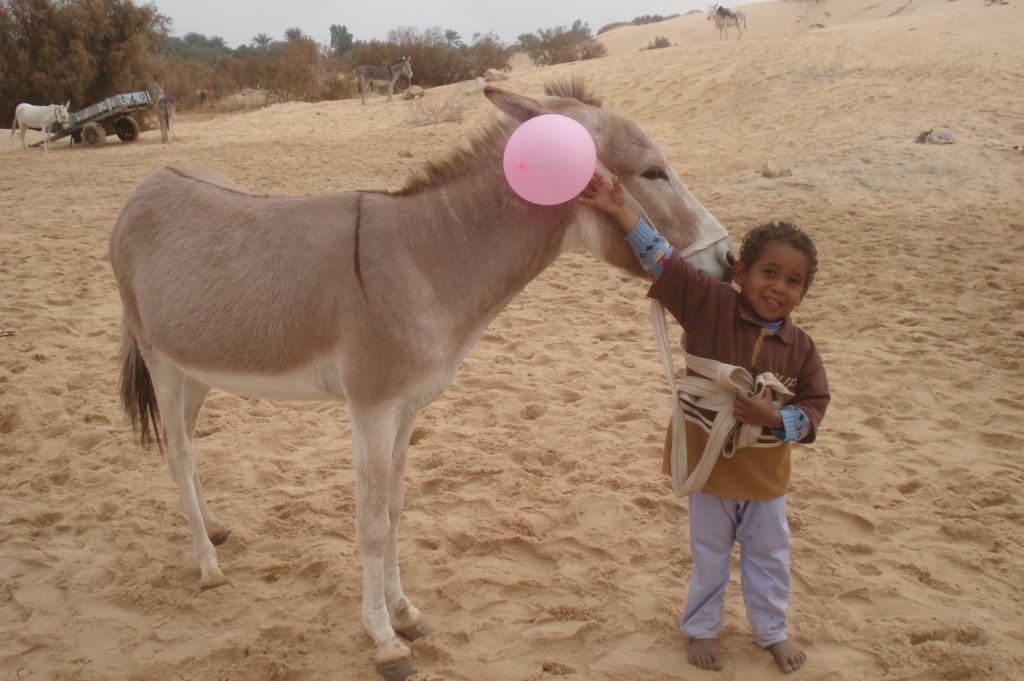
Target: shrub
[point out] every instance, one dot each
(651, 19)
(559, 46)
(659, 42)
(608, 27)
(435, 59)
(433, 112)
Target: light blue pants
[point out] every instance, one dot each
(761, 529)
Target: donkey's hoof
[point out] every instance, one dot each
(418, 630)
(220, 537)
(212, 578)
(396, 670)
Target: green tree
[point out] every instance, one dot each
(453, 38)
(341, 40)
(82, 50)
(294, 34)
(261, 40)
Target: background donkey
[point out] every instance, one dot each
(164, 112)
(370, 298)
(725, 17)
(40, 118)
(372, 76)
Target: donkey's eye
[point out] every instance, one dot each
(655, 174)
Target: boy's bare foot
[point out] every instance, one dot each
(704, 654)
(787, 656)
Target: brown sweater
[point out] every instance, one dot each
(721, 326)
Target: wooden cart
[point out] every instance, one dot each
(121, 115)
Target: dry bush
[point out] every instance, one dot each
(431, 112)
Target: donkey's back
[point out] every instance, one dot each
(225, 281)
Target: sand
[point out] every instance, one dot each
(539, 536)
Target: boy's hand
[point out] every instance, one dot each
(608, 197)
(757, 412)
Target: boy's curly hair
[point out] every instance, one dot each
(755, 240)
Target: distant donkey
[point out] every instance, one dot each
(725, 17)
(30, 116)
(371, 76)
(164, 112)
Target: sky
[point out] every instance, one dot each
(237, 21)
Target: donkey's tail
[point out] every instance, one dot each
(14, 124)
(137, 392)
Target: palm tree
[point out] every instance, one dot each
(295, 33)
(261, 40)
(453, 38)
(217, 42)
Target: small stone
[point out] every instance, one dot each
(769, 170)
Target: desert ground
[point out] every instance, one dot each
(540, 537)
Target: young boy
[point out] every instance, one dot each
(744, 498)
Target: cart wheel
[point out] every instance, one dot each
(94, 135)
(127, 129)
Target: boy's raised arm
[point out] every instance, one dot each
(608, 197)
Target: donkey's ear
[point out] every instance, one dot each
(517, 106)
(68, 104)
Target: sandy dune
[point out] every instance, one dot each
(540, 537)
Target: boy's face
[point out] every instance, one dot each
(776, 282)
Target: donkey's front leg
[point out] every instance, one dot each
(408, 621)
(373, 441)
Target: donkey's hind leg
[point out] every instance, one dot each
(194, 395)
(169, 384)
(408, 620)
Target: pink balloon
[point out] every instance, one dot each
(549, 159)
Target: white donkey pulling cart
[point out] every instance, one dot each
(121, 115)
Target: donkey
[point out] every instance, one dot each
(366, 297)
(372, 76)
(164, 112)
(40, 118)
(725, 17)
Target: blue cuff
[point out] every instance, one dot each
(795, 425)
(650, 247)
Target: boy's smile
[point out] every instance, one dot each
(776, 282)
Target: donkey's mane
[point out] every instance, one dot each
(490, 141)
(461, 160)
(572, 88)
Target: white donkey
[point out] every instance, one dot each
(371, 76)
(367, 297)
(40, 118)
(725, 17)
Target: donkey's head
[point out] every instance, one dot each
(643, 171)
(60, 112)
(404, 66)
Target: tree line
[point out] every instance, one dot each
(88, 50)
